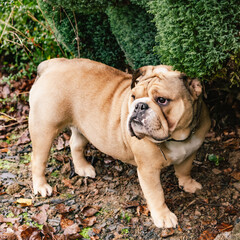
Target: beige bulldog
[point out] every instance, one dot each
(150, 119)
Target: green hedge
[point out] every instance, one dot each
(135, 33)
(95, 40)
(199, 37)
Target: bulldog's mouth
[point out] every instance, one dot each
(139, 123)
(136, 121)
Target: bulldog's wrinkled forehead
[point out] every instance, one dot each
(150, 72)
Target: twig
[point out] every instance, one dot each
(13, 124)
(77, 37)
(7, 22)
(9, 25)
(6, 115)
(53, 201)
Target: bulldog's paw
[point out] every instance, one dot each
(190, 185)
(44, 189)
(86, 171)
(164, 220)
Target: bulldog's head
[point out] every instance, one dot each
(165, 104)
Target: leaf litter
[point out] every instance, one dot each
(111, 206)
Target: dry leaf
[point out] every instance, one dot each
(224, 227)
(236, 175)
(89, 211)
(87, 222)
(24, 138)
(62, 208)
(167, 232)
(28, 232)
(65, 222)
(60, 144)
(208, 235)
(131, 204)
(24, 202)
(142, 210)
(8, 220)
(67, 183)
(40, 218)
(73, 229)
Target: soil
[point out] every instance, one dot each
(112, 205)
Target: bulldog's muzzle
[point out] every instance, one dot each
(137, 117)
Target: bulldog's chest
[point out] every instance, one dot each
(179, 151)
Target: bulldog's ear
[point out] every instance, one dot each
(193, 85)
(142, 73)
(196, 88)
(136, 74)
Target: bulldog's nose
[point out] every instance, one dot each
(140, 107)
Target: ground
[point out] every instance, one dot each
(112, 205)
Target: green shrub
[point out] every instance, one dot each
(24, 37)
(198, 37)
(91, 38)
(135, 34)
(83, 6)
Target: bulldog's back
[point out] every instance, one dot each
(89, 95)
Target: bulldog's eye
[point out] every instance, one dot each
(162, 101)
(133, 97)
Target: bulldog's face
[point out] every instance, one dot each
(164, 104)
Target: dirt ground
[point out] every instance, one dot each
(112, 205)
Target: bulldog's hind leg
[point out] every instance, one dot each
(42, 135)
(183, 173)
(77, 145)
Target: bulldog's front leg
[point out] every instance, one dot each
(149, 178)
(183, 173)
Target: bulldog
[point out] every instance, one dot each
(151, 119)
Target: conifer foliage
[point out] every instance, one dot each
(200, 37)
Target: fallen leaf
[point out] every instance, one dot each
(8, 236)
(208, 234)
(6, 91)
(94, 238)
(87, 222)
(89, 211)
(4, 150)
(236, 175)
(224, 227)
(231, 210)
(97, 230)
(233, 143)
(67, 183)
(142, 210)
(62, 208)
(167, 232)
(28, 232)
(16, 211)
(65, 222)
(73, 229)
(60, 144)
(66, 136)
(24, 202)
(8, 220)
(48, 231)
(134, 220)
(40, 218)
(24, 138)
(131, 204)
